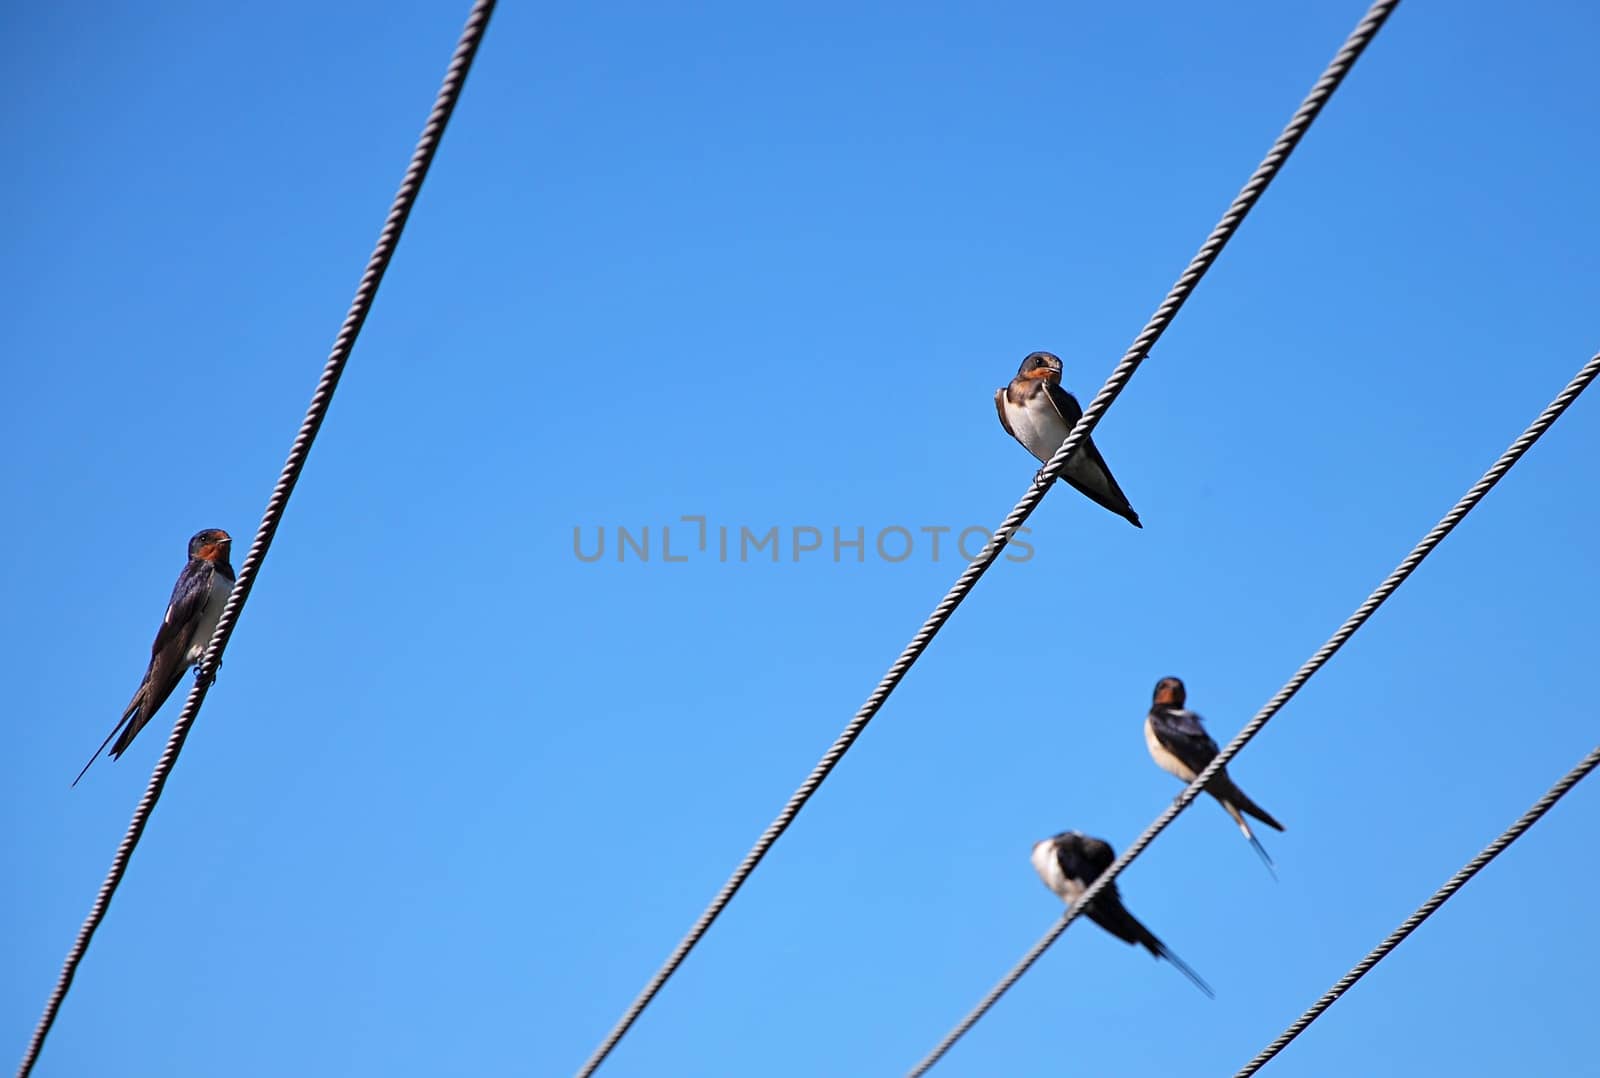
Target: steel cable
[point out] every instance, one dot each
(388, 238)
(1340, 66)
(1526, 439)
(1424, 911)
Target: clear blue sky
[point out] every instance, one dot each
(457, 793)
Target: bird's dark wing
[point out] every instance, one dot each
(1098, 485)
(1110, 914)
(1066, 404)
(1000, 406)
(166, 667)
(1224, 788)
(1078, 857)
(167, 653)
(183, 609)
(1180, 732)
(1085, 858)
(1097, 856)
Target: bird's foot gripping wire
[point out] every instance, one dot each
(1039, 479)
(210, 681)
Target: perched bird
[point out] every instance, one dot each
(1181, 746)
(1069, 863)
(197, 601)
(1037, 412)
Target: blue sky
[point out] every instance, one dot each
(457, 792)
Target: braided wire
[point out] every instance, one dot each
(405, 198)
(1513, 453)
(1136, 354)
(1426, 910)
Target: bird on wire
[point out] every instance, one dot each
(197, 601)
(1038, 413)
(1069, 862)
(1179, 744)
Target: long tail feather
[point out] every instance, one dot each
(115, 730)
(1134, 931)
(1253, 809)
(1224, 789)
(1187, 971)
(1232, 809)
(1266, 859)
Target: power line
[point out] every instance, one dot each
(388, 238)
(1524, 441)
(1426, 910)
(1130, 362)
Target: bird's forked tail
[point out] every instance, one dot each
(122, 723)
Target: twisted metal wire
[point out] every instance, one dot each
(388, 238)
(1524, 441)
(1120, 376)
(1426, 910)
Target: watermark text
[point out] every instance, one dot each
(693, 537)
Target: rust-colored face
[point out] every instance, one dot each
(209, 545)
(1170, 692)
(1041, 366)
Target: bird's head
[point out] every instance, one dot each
(1057, 838)
(1043, 366)
(1170, 692)
(210, 545)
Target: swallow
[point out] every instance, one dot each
(197, 601)
(1037, 412)
(1069, 863)
(1180, 745)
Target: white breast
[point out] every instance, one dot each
(1049, 870)
(216, 599)
(1159, 753)
(1038, 425)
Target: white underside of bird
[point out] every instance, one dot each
(1163, 756)
(1048, 866)
(1041, 430)
(206, 624)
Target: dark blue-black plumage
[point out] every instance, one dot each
(1179, 744)
(197, 601)
(1069, 862)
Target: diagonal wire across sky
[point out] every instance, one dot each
(1136, 354)
(321, 399)
(1369, 606)
(1562, 787)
